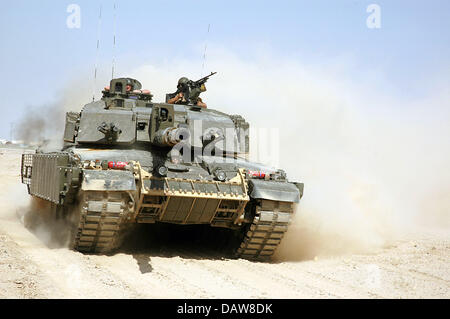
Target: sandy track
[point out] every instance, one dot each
(414, 266)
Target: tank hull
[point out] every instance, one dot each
(100, 202)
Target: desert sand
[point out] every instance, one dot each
(414, 265)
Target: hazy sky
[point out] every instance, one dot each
(40, 55)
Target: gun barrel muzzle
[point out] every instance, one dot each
(171, 136)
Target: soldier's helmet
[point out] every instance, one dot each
(182, 82)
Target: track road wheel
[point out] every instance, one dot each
(264, 234)
(98, 219)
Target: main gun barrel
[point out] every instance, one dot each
(171, 136)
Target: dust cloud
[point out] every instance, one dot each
(33, 213)
(374, 165)
(41, 219)
(44, 124)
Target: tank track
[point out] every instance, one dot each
(264, 234)
(101, 216)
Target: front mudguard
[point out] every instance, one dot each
(275, 190)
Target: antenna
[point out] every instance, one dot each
(11, 131)
(96, 55)
(114, 43)
(204, 52)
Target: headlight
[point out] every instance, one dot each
(161, 170)
(220, 175)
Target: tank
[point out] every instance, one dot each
(129, 160)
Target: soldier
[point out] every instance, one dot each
(129, 88)
(184, 94)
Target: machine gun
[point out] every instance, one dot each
(201, 82)
(197, 87)
(191, 89)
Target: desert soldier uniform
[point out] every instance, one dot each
(185, 94)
